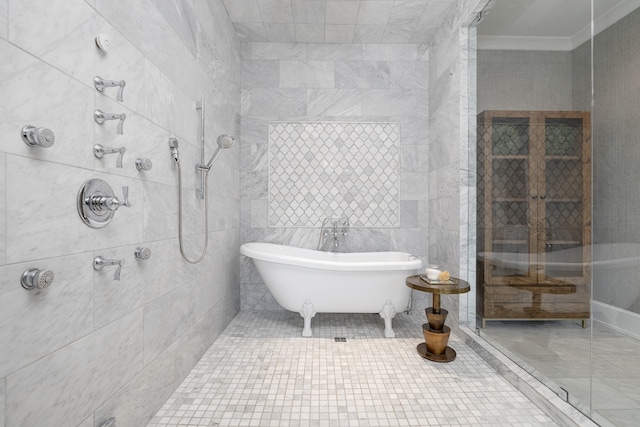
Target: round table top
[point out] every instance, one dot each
(458, 287)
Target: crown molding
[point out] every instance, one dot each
(604, 21)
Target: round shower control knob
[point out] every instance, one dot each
(34, 278)
(41, 137)
(142, 254)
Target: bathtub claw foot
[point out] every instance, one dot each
(307, 312)
(388, 313)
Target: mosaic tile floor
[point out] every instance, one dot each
(261, 372)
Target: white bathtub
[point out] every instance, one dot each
(310, 282)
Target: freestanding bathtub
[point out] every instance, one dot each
(310, 282)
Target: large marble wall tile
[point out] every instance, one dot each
(254, 184)
(245, 213)
(414, 131)
(243, 10)
(338, 33)
(43, 97)
(444, 169)
(398, 34)
(89, 422)
(412, 240)
(390, 52)
(279, 51)
(42, 218)
(2, 403)
(413, 75)
(398, 102)
(259, 213)
(260, 74)
(160, 211)
(256, 297)
(281, 33)
(166, 318)
(409, 213)
(68, 383)
(309, 33)
(136, 402)
(307, 74)
(276, 10)
(254, 157)
(413, 158)
(244, 50)
(309, 11)
(168, 60)
(190, 347)
(362, 74)
(189, 154)
(335, 52)
(367, 34)
(140, 281)
(151, 34)
(180, 16)
(4, 16)
(3, 209)
(251, 31)
(152, 144)
(365, 240)
(413, 185)
(334, 102)
(193, 209)
(278, 101)
(184, 271)
(341, 12)
(223, 212)
(168, 106)
(125, 62)
(36, 323)
(132, 137)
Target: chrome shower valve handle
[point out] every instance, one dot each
(100, 84)
(99, 262)
(102, 202)
(100, 150)
(97, 202)
(100, 117)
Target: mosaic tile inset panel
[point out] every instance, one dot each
(320, 170)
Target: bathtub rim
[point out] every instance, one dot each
(337, 261)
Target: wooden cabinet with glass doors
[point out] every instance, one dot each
(534, 215)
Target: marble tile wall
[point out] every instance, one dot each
(88, 347)
(451, 240)
(289, 82)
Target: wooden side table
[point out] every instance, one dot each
(436, 335)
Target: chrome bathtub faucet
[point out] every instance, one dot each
(338, 228)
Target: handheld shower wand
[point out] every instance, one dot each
(224, 141)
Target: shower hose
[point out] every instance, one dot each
(206, 217)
